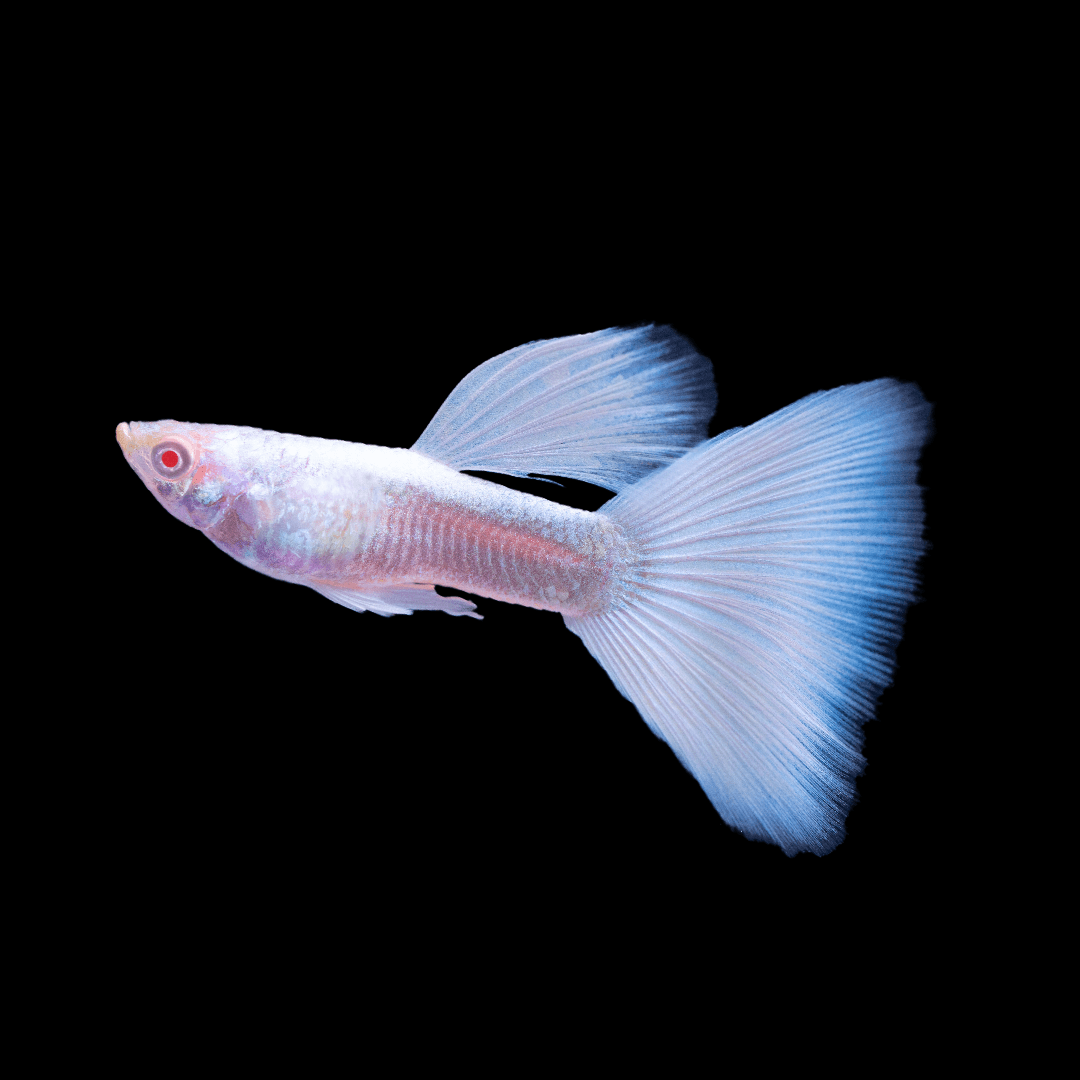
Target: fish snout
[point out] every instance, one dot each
(124, 436)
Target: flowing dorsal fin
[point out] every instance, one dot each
(606, 408)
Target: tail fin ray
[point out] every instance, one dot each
(761, 621)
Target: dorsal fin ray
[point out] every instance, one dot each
(606, 408)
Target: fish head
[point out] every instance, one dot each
(183, 466)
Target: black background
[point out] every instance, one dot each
(267, 753)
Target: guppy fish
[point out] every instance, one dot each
(746, 592)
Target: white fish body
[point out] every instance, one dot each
(746, 593)
(375, 528)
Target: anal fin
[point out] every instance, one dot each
(401, 599)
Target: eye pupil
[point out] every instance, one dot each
(170, 459)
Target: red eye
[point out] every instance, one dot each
(173, 458)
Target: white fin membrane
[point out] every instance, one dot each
(398, 599)
(761, 625)
(606, 408)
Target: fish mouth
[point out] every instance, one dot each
(124, 436)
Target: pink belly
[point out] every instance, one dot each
(569, 570)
